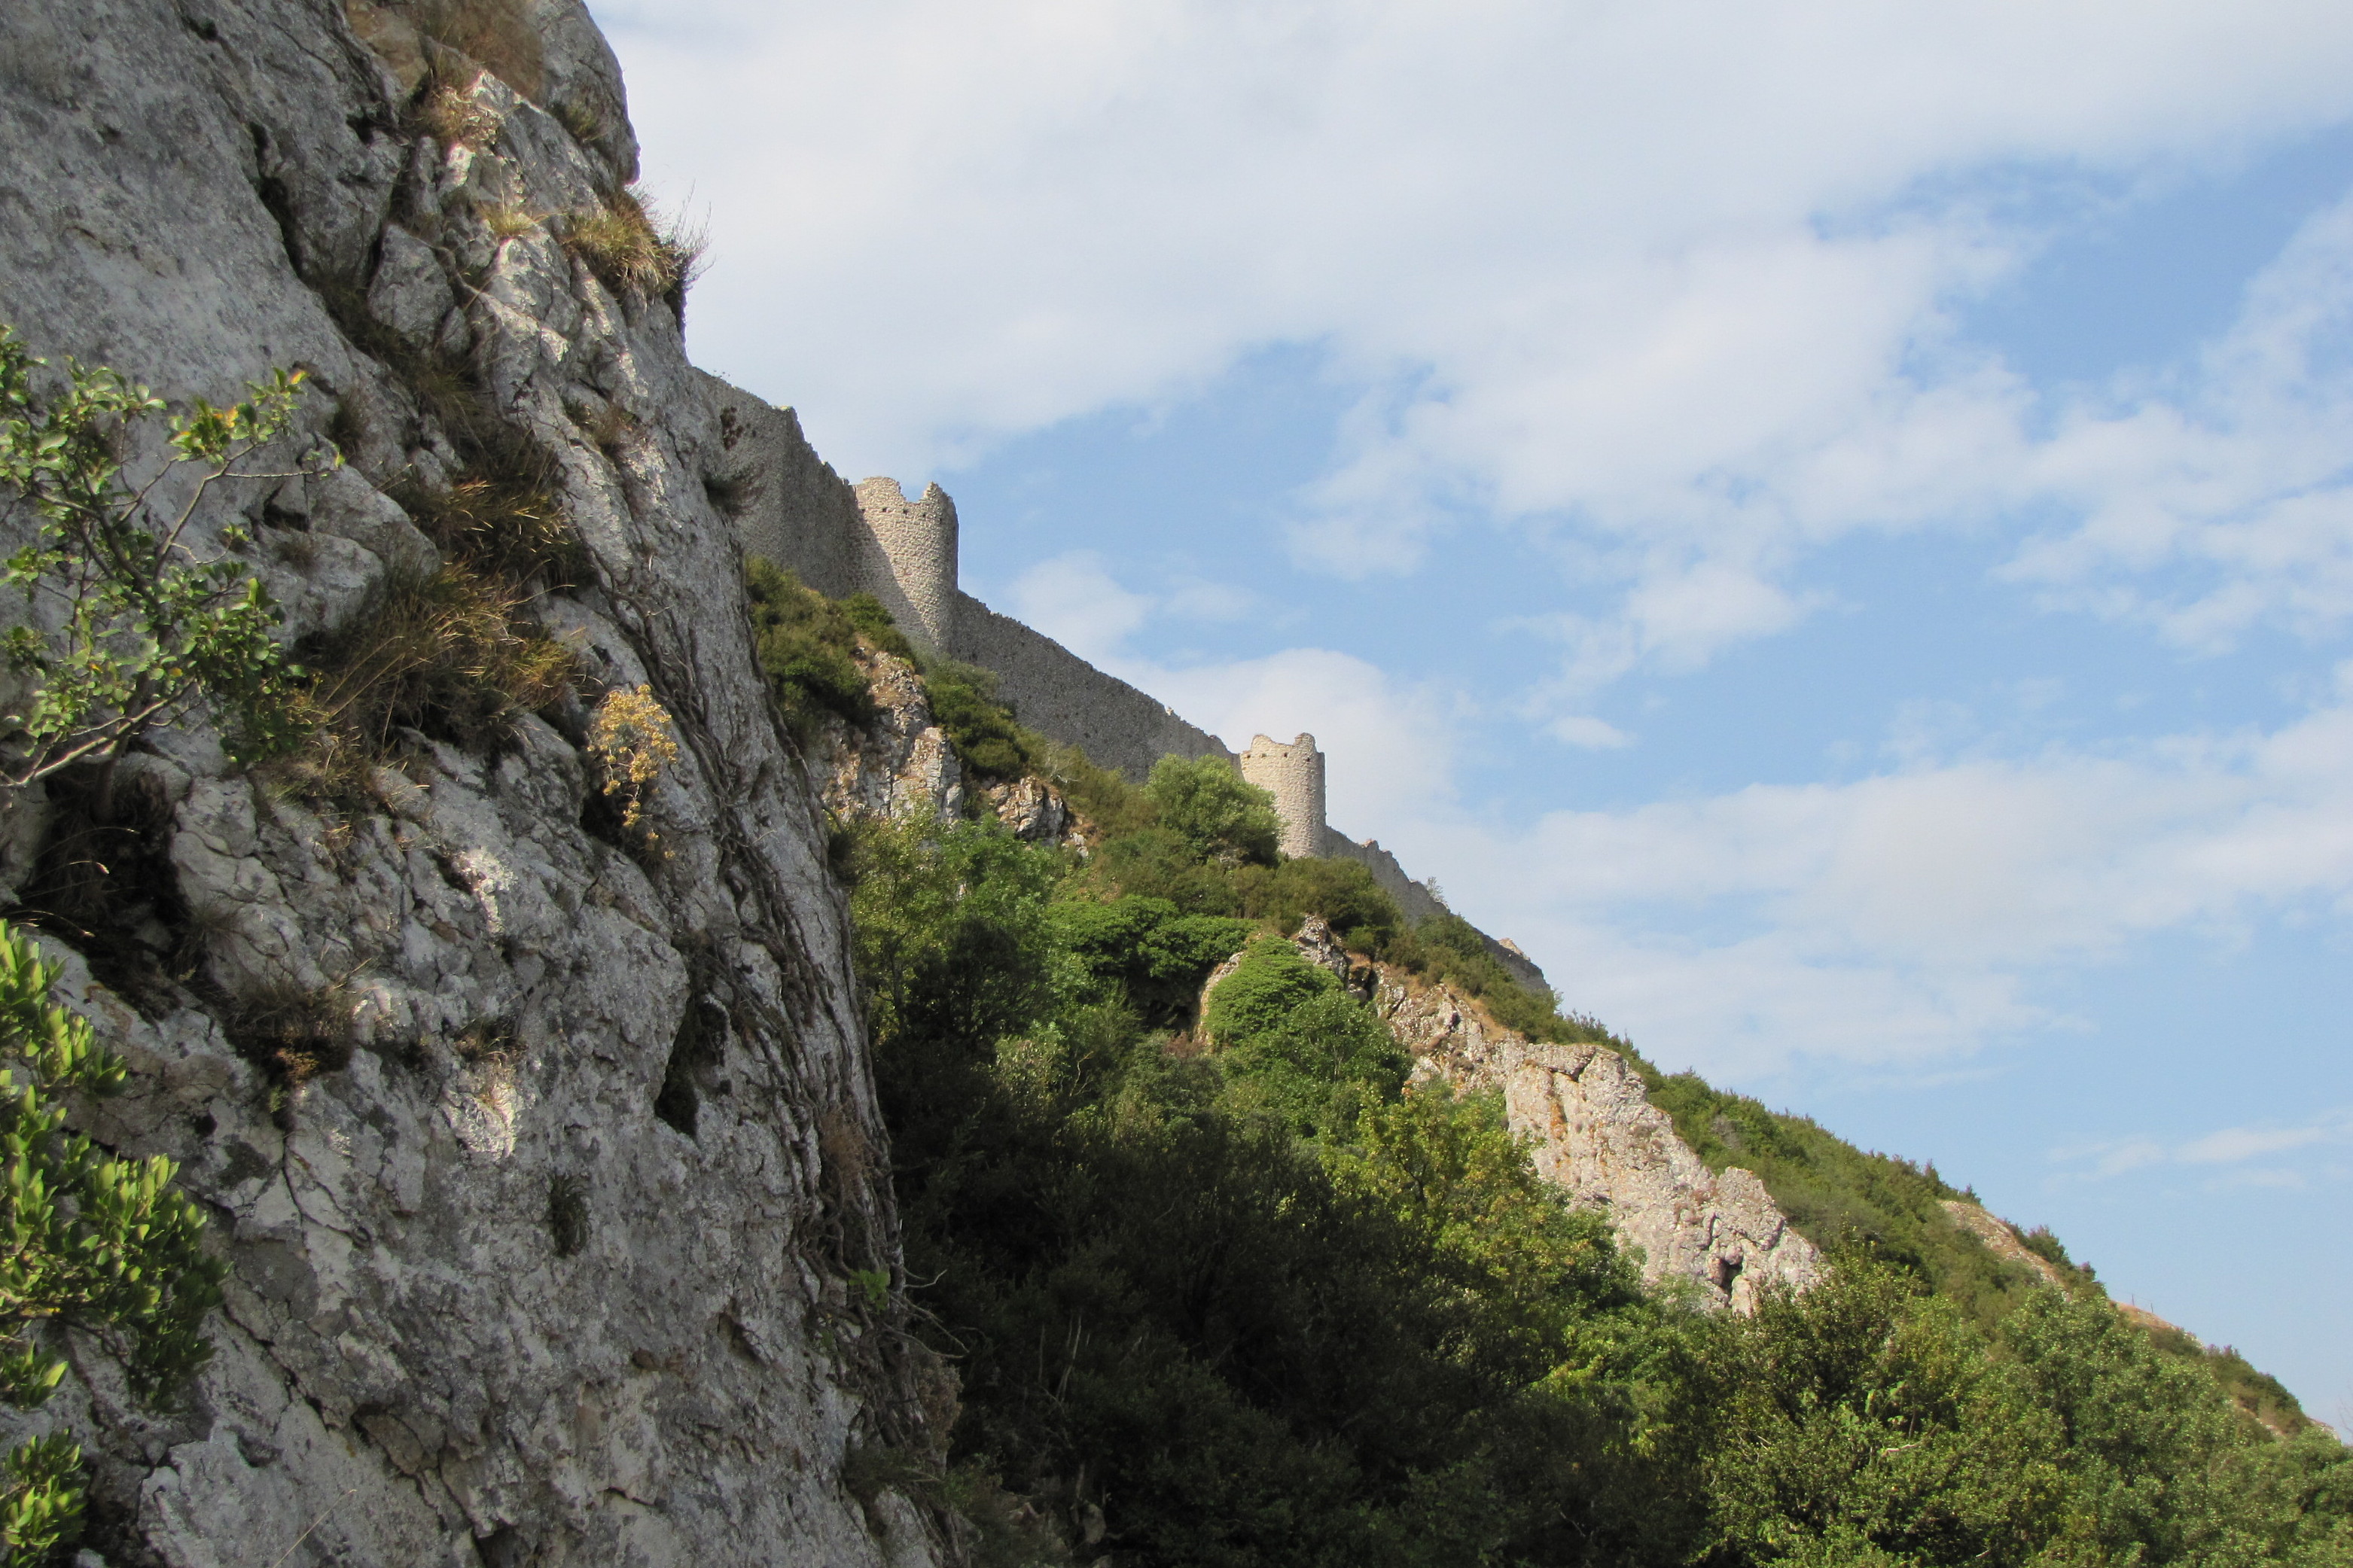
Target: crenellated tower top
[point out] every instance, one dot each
(908, 560)
(1293, 774)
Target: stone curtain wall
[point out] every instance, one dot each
(1293, 774)
(1061, 695)
(869, 538)
(1412, 897)
(796, 510)
(907, 558)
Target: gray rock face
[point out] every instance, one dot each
(558, 1268)
(1597, 1136)
(899, 763)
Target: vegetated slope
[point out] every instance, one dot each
(1223, 1287)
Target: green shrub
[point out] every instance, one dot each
(1842, 1198)
(1270, 981)
(987, 739)
(1101, 800)
(1165, 1305)
(1220, 818)
(874, 625)
(1450, 950)
(1265, 1305)
(807, 645)
(1145, 953)
(1365, 917)
(1318, 1069)
(145, 632)
(95, 1242)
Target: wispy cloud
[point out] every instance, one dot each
(2227, 1155)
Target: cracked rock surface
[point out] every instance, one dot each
(1597, 1136)
(552, 1268)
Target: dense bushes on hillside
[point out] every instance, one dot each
(1253, 1301)
(1233, 1294)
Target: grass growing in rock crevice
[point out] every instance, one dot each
(496, 35)
(634, 249)
(452, 655)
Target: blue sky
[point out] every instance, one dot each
(1830, 524)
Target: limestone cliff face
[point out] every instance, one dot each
(1596, 1136)
(572, 1263)
(900, 763)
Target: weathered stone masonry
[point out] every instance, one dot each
(1294, 775)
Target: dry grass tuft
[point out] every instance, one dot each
(588, 122)
(634, 250)
(451, 655)
(447, 109)
(613, 429)
(509, 219)
(293, 1034)
(734, 492)
(507, 527)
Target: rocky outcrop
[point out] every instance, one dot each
(1596, 1135)
(2003, 1241)
(564, 1242)
(896, 763)
(899, 763)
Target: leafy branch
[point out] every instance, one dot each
(127, 626)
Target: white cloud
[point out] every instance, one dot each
(1677, 276)
(1908, 916)
(2241, 479)
(1397, 740)
(2231, 1147)
(1075, 600)
(1898, 919)
(1591, 733)
(1675, 281)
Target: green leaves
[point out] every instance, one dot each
(1262, 1304)
(126, 626)
(40, 1498)
(88, 1239)
(1221, 819)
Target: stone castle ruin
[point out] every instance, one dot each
(1293, 774)
(869, 538)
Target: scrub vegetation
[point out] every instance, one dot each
(1224, 1288)
(95, 1243)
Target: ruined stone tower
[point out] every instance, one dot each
(908, 560)
(1293, 774)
